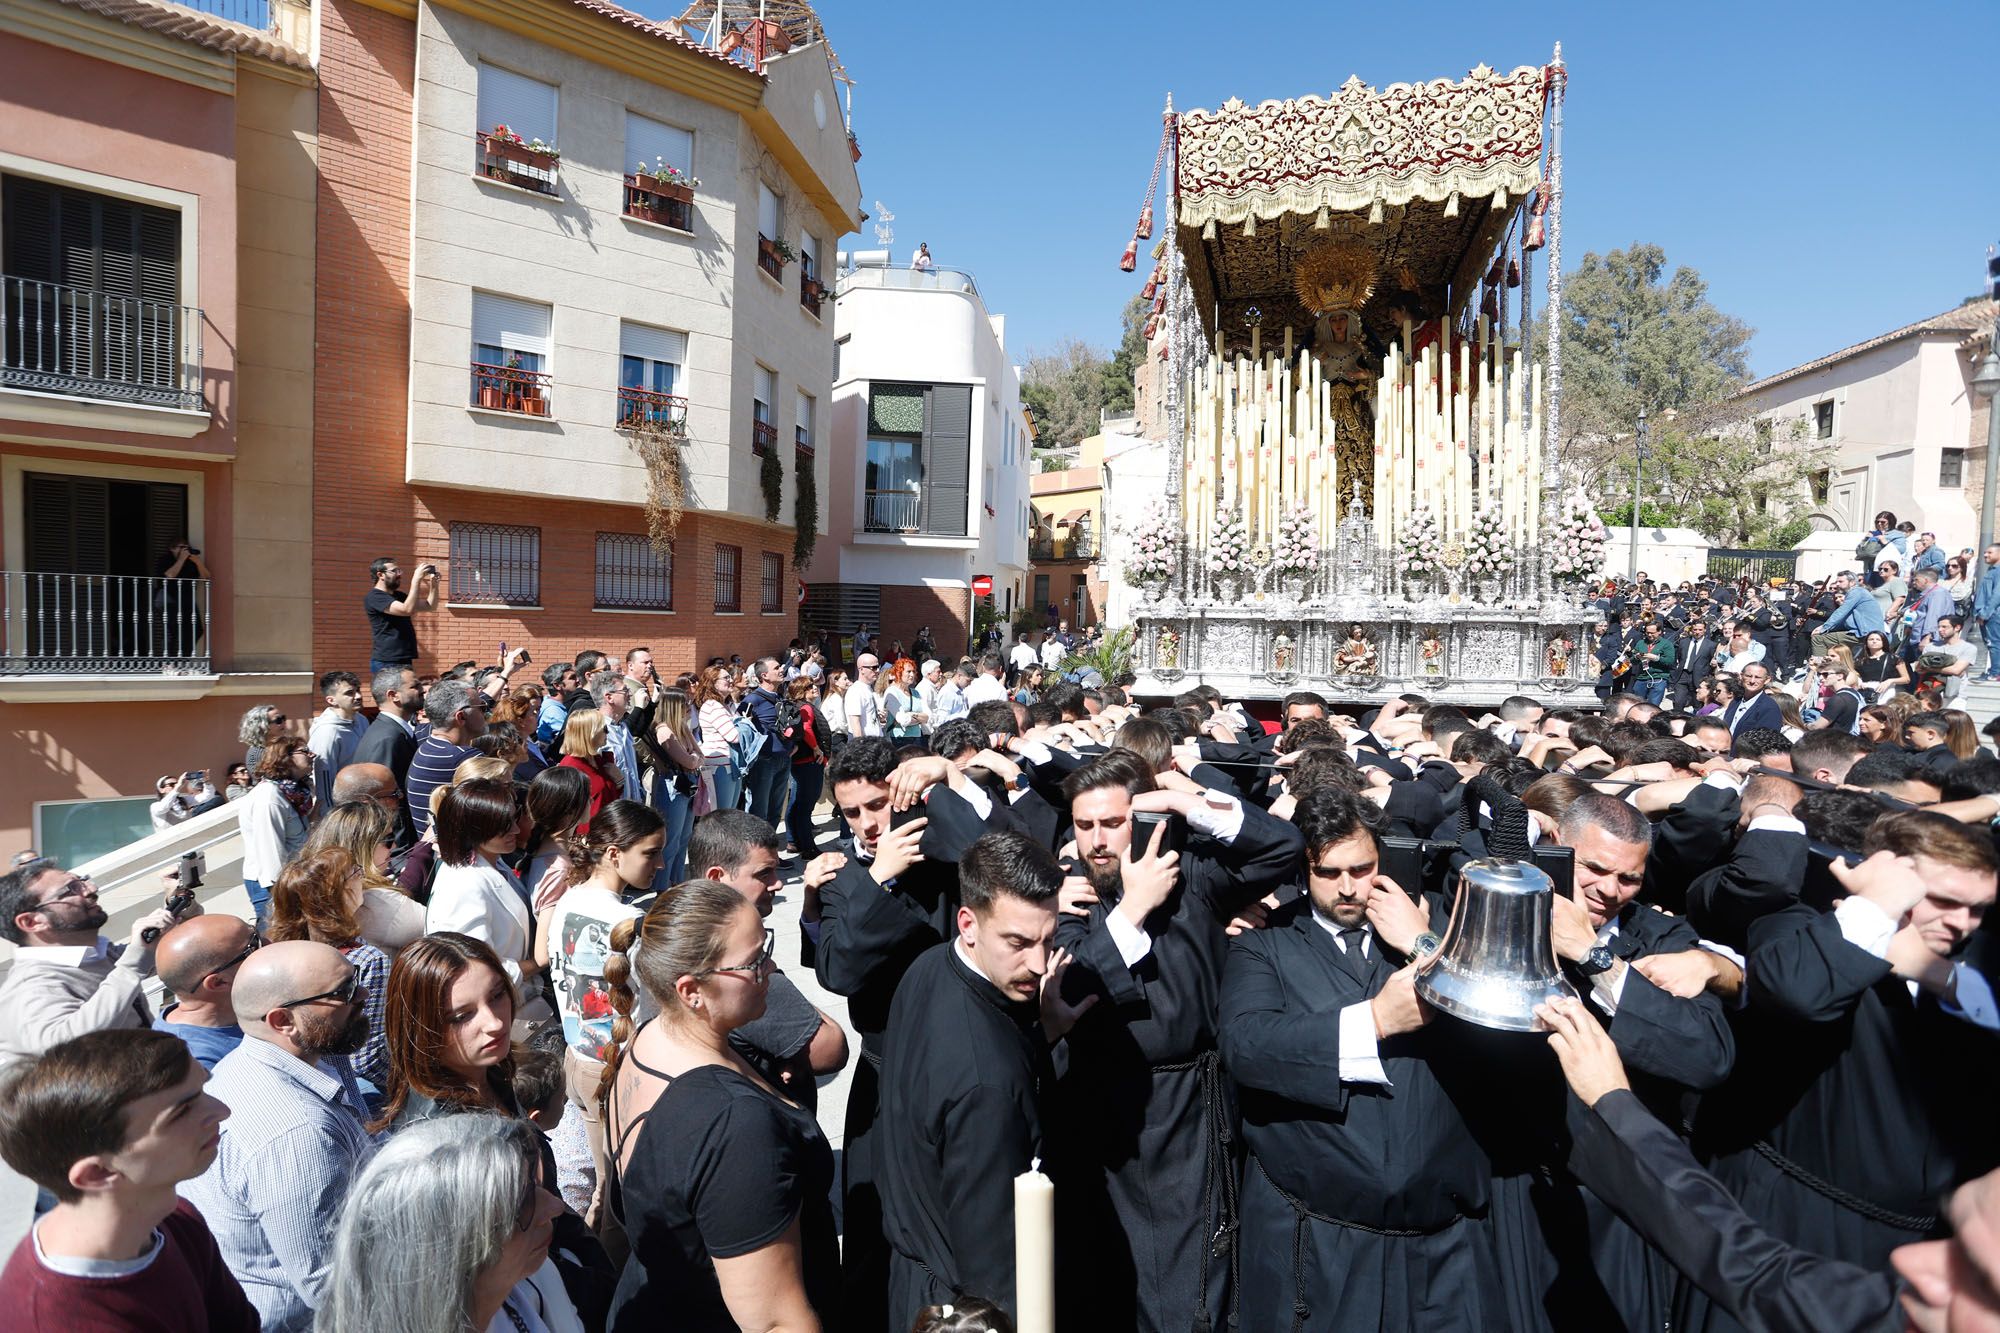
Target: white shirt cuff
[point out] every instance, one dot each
(976, 797)
(1218, 817)
(1133, 942)
(1034, 752)
(1360, 1058)
(1723, 951)
(1607, 988)
(1864, 925)
(1774, 824)
(1972, 998)
(1727, 781)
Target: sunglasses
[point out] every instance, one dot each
(344, 993)
(256, 943)
(764, 956)
(77, 887)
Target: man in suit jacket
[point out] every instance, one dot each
(391, 739)
(1695, 655)
(1986, 609)
(1752, 707)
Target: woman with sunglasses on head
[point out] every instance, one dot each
(614, 865)
(475, 893)
(389, 918)
(318, 898)
(720, 1182)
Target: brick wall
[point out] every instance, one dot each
(905, 610)
(364, 508)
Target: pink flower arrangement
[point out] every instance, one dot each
(1154, 546)
(1228, 544)
(1576, 545)
(1296, 551)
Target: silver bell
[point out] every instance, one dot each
(1498, 957)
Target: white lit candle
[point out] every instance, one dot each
(1034, 1251)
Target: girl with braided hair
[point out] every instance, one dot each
(721, 1183)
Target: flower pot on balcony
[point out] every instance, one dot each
(493, 397)
(534, 404)
(665, 187)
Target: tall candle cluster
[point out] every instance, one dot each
(1260, 439)
(1454, 429)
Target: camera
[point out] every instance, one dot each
(187, 877)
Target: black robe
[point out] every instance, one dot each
(964, 1071)
(1364, 1206)
(868, 938)
(1144, 1164)
(1846, 1076)
(1567, 1262)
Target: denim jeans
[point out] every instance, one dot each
(1652, 691)
(769, 783)
(678, 812)
(260, 903)
(728, 787)
(807, 782)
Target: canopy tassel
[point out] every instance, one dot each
(1374, 212)
(1499, 199)
(1451, 205)
(1208, 230)
(1323, 222)
(1130, 259)
(1250, 226)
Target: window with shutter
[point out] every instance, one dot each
(947, 458)
(649, 142)
(649, 375)
(769, 220)
(524, 105)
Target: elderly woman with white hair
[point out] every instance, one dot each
(448, 1229)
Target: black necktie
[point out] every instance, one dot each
(1352, 960)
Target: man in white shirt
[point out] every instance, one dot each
(864, 709)
(1743, 650)
(988, 686)
(930, 686)
(951, 702)
(1024, 655)
(336, 732)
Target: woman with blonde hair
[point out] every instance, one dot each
(586, 747)
(389, 918)
(721, 1182)
(1961, 737)
(679, 777)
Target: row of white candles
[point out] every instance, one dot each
(1452, 430)
(1261, 439)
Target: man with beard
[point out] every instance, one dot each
(1871, 1065)
(294, 1139)
(1144, 1155)
(965, 1070)
(391, 739)
(67, 979)
(1365, 1197)
(389, 609)
(894, 897)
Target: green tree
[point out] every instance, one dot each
(1118, 372)
(1635, 337)
(1065, 387)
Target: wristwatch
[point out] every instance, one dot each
(1599, 959)
(1427, 944)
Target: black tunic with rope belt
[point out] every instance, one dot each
(1364, 1205)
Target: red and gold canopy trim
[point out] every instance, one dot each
(1477, 138)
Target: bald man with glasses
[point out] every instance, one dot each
(67, 979)
(198, 961)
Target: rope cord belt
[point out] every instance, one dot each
(1853, 1203)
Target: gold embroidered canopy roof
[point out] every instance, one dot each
(1478, 138)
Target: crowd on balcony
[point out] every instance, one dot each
(507, 1045)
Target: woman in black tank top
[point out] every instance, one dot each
(722, 1184)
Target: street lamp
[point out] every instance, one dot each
(1986, 383)
(1638, 462)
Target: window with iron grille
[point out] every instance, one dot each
(728, 578)
(773, 584)
(631, 575)
(496, 564)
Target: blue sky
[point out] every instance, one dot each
(1832, 169)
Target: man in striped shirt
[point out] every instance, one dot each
(458, 715)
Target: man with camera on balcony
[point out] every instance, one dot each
(390, 608)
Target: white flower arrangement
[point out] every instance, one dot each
(1576, 547)
(1228, 544)
(1488, 551)
(1154, 546)
(1296, 550)
(1421, 542)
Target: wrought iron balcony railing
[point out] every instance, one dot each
(66, 624)
(510, 389)
(73, 340)
(763, 435)
(646, 407)
(892, 511)
(1061, 548)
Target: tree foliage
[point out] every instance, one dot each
(1636, 337)
(1071, 385)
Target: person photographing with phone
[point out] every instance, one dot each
(389, 610)
(182, 798)
(1162, 866)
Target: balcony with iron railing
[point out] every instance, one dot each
(90, 624)
(505, 158)
(812, 294)
(59, 339)
(763, 436)
(1074, 547)
(510, 389)
(647, 407)
(894, 511)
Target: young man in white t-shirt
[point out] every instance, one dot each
(1024, 655)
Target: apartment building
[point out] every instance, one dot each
(543, 226)
(928, 514)
(156, 373)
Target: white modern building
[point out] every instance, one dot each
(1909, 434)
(927, 489)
